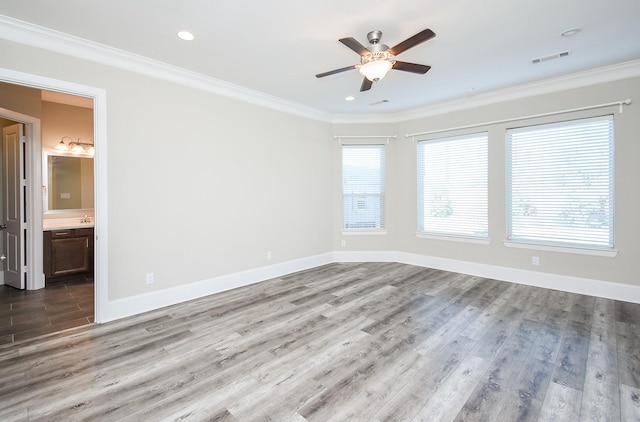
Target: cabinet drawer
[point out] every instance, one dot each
(84, 232)
(59, 234)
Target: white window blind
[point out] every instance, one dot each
(560, 184)
(452, 186)
(363, 186)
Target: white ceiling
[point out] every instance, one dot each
(276, 47)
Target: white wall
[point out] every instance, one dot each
(199, 185)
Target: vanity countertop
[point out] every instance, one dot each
(65, 223)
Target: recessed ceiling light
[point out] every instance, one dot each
(349, 98)
(186, 35)
(570, 32)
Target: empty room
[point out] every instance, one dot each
(343, 211)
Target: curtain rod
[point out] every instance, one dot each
(515, 119)
(387, 137)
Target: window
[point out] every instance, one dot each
(452, 186)
(363, 186)
(560, 184)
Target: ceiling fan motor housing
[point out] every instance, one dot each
(374, 41)
(374, 37)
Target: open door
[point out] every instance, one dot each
(14, 227)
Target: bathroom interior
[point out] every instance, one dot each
(67, 127)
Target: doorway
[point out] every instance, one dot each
(67, 299)
(34, 248)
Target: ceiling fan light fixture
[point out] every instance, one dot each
(374, 66)
(375, 70)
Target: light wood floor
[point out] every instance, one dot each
(342, 342)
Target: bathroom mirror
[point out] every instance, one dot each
(67, 183)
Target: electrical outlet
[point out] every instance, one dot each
(269, 256)
(343, 243)
(149, 278)
(535, 260)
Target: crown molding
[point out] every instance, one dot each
(37, 36)
(599, 75)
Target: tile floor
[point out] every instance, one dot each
(64, 303)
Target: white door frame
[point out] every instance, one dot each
(35, 274)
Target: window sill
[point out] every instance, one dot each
(364, 232)
(566, 249)
(464, 239)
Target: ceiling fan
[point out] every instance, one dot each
(377, 59)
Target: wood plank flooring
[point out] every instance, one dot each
(64, 303)
(341, 342)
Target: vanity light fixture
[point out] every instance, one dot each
(76, 146)
(62, 146)
(79, 147)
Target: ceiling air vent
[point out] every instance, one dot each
(550, 57)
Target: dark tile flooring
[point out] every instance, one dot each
(64, 303)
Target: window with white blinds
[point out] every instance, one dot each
(452, 186)
(363, 186)
(560, 184)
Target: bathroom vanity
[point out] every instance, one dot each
(68, 238)
(68, 251)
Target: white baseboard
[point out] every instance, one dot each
(585, 286)
(120, 308)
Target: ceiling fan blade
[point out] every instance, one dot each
(420, 37)
(411, 67)
(333, 72)
(353, 44)
(366, 85)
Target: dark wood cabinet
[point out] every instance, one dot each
(68, 251)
